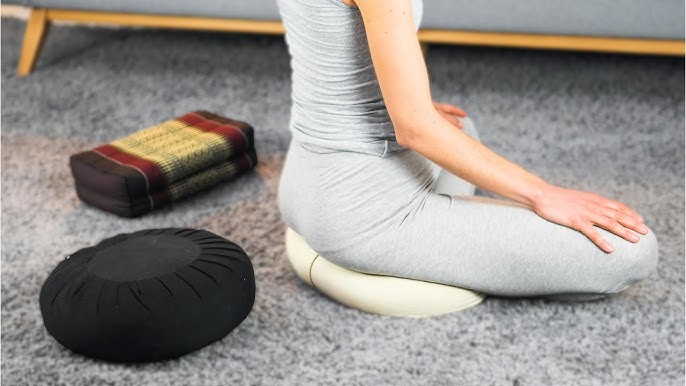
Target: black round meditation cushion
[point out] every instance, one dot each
(149, 295)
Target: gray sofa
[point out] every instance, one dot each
(629, 26)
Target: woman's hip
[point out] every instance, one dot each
(334, 198)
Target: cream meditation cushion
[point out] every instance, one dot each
(385, 295)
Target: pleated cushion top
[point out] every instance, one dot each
(149, 295)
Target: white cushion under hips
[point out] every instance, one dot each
(378, 294)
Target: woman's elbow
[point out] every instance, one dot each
(402, 137)
(409, 131)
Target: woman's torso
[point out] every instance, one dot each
(344, 180)
(336, 100)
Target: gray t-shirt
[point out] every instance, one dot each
(336, 99)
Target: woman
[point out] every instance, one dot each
(379, 178)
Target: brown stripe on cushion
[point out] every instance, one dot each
(108, 176)
(118, 206)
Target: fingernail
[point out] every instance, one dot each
(609, 248)
(643, 228)
(633, 237)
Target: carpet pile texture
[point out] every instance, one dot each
(611, 124)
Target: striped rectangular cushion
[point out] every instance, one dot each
(163, 163)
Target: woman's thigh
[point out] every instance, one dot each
(499, 247)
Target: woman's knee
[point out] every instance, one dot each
(628, 264)
(635, 262)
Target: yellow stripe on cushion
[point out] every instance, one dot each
(203, 180)
(179, 150)
(171, 137)
(160, 135)
(155, 132)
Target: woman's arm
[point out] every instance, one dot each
(404, 83)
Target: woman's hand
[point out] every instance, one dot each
(581, 210)
(451, 113)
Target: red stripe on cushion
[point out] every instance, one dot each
(191, 118)
(153, 173)
(233, 134)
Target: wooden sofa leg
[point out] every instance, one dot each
(36, 28)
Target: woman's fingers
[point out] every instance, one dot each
(455, 110)
(587, 212)
(615, 227)
(453, 119)
(451, 113)
(450, 109)
(596, 237)
(633, 223)
(625, 216)
(619, 207)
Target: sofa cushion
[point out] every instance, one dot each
(621, 18)
(254, 9)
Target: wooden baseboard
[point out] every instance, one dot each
(41, 18)
(556, 42)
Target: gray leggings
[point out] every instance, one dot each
(405, 216)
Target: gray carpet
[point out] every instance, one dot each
(611, 124)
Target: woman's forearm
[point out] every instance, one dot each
(440, 141)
